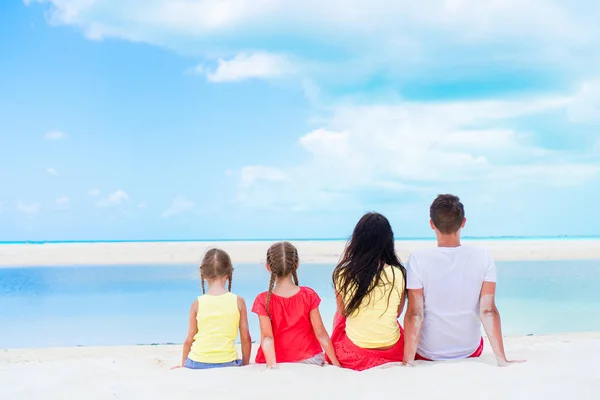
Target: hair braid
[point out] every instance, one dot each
(295, 267)
(282, 261)
(230, 281)
(202, 279)
(271, 285)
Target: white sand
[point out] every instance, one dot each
(254, 252)
(559, 367)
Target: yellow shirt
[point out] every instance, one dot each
(375, 323)
(218, 320)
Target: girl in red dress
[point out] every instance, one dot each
(291, 327)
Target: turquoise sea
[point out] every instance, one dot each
(142, 304)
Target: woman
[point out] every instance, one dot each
(370, 290)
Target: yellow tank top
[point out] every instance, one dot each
(218, 321)
(375, 323)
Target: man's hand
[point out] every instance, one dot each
(506, 363)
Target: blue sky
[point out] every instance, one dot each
(265, 119)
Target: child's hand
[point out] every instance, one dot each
(176, 367)
(274, 366)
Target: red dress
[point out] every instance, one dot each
(293, 334)
(353, 357)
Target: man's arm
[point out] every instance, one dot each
(413, 320)
(490, 318)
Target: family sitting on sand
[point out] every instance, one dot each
(450, 290)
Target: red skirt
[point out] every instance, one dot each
(353, 357)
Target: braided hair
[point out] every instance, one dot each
(282, 259)
(216, 264)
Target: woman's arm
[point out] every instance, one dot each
(266, 340)
(340, 303)
(490, 318)
(413, 319)
(192, 330)
(323, 336)
(244, 332)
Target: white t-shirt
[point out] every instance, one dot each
(451, 279)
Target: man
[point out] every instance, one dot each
(451, 290)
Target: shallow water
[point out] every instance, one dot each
(123, 305)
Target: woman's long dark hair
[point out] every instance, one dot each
(368, 251)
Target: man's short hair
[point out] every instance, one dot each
(447, 213)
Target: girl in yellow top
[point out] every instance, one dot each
(215, 318)
(370, 289)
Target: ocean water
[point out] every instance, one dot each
(126, 305)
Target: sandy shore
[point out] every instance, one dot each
(558, 367)
(254, 252)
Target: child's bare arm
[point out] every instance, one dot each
(267, 341)
(244, 332)
(323, 336)
(413, 320)
(490, 318)
(192, 330)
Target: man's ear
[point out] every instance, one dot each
(432, 224)
(463, 223)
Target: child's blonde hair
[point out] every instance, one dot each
(282, 259)
(216, 264)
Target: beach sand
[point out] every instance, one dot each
(15, 255)
(559, 367)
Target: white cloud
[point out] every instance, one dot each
(202, 18)
(179, 205)
(324, 142)
(1, 208)
(94, 192)
(366, 36)
(410, 146)
(249, 66)
(62, 203)
(552, 174)
(52, 171)
(585, 106)
(383, 47)
(142, 206)
(114, 199)
(29, 209)
(253, 173)
(55, 135)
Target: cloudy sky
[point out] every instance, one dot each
(180, 119)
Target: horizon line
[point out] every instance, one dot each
(500, 237)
